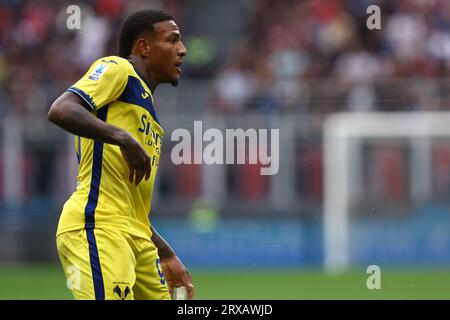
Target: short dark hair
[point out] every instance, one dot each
(135, 24)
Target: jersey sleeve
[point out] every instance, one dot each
(102, 84)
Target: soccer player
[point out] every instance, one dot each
(104, 237)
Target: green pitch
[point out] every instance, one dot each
(48, 282)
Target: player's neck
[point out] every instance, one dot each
(141, 68)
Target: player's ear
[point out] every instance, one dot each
(143, 47)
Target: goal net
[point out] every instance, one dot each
(387, 189)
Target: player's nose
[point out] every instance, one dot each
(182, 51)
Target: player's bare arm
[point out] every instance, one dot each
(68, 113)
(164, 249)
(176, 274)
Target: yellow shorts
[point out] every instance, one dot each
(107, 264)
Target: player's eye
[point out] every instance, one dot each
(174, 39)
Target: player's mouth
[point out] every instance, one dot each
(178, 66)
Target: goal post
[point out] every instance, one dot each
(343, 134)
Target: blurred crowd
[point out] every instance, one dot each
(310, 57)
(39, 53)
(318, 56)
(313, 56)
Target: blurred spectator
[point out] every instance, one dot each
(234, 83)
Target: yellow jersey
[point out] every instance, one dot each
(104, 198)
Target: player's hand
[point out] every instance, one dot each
(177, 275)
(136, 158)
